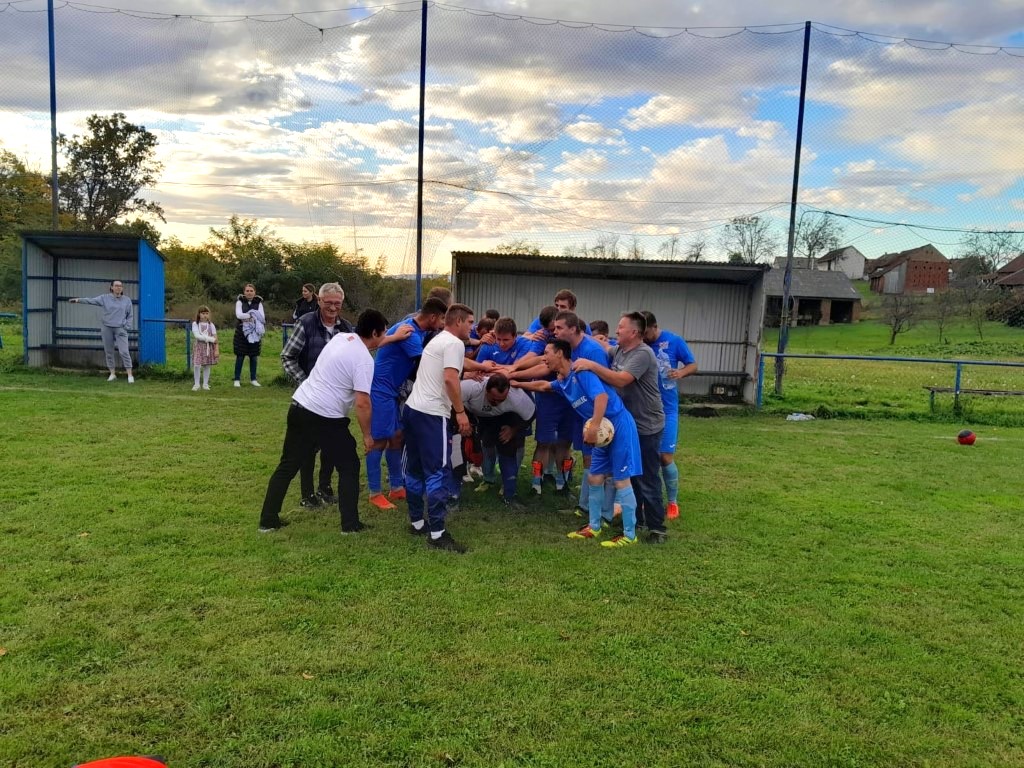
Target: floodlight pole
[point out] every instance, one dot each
(780, 362)
(419, 171)
(54, 189)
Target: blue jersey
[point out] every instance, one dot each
(589, 349)
(520, 347)
(670, 350)
(581, 388)
(394, 362)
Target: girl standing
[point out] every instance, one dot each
(205, 350)
(249, 332)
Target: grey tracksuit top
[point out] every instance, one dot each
(117, 312)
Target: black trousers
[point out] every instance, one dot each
(306, 474)
(650, 510)
(305, 431)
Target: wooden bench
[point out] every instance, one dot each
(956, 394)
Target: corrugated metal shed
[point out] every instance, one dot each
(716, 307)
(57, 266)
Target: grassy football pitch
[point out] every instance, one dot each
(843, 593)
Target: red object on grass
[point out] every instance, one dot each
(966, 437)
(125, 762)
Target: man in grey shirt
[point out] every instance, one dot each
(114, 326)
(634, 373)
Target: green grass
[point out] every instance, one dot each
(893, 389)
(835, 593)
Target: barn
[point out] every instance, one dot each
(716, 307)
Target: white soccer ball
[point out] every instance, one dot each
(605, 432)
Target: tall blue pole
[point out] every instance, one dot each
(54, 189)
(419, 172)
(787, 280)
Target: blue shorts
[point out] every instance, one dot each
(671, 433)
(384, 418)
(621, 458)
(555, 418)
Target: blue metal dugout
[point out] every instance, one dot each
(57, 266)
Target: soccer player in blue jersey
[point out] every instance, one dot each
(393, 365)
(508, 348)
(569, 327)
(555, 420)
(592, 399)
(671, 350)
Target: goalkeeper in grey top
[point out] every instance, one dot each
(115, 323)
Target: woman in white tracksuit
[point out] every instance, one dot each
(115, 323)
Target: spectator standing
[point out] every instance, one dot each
(115, 322)
(249, 330)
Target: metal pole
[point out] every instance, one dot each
(787, 280)
(419, 172)
(54, 188)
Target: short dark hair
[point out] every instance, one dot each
(433, 306)
(562, 347)
(571, 320)
(599, 327)
(493, 314)
(370, 321)
(649, 317)
(637, 318)
(457, 313)
(506, 325)
(547, 315)
(442, 293)
(497, 381)
(483, 325)
(566, 295)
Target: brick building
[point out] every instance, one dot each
(919, 270)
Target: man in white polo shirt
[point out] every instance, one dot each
(428, 448)
(319, 415)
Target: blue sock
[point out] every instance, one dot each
(596, 505)
(584, 502)
(373, 470)
(627, 499)
(608, 510)
(670, 474)
(396, 478)
(509, 471)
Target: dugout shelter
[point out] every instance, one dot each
(57, 266)
(716, 307)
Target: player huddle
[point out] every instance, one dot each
(442, 382)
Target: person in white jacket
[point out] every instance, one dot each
(114, 326)
(205, 351)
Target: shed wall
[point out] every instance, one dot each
(37, 301)
(153, 340)
(715, 318)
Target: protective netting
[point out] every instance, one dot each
(567, 138)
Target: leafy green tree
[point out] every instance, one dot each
(105, 171)
(24, 204)
(253, 254)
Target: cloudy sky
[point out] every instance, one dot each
(650, 135)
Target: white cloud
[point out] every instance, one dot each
(590, 132)
(589, 162)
